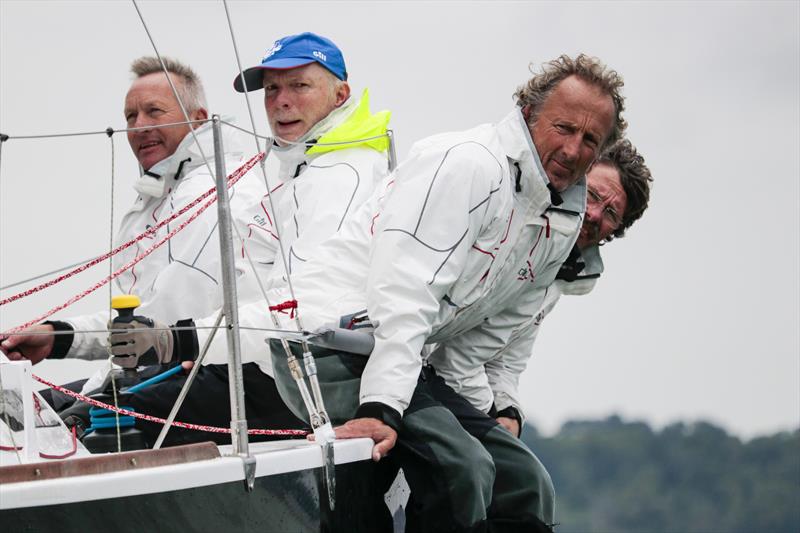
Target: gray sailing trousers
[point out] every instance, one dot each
(465, 471)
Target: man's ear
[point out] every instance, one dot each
(526, 112)
(199, 114)
(342, 93)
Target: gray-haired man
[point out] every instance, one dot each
(181, 278)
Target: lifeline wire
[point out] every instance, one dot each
(305, 143)
(147, 233)
(110, 134)
(103, 132)
(39, 276)
(232, 180)
(246, 97)
(194, 135)
(298, 325)
(313, 409)
(263, 174)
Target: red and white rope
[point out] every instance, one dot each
(157, 420)
(233, 178)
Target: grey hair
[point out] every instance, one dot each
(587, 68)
(635, 178)
(191, 90)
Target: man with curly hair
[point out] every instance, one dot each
(464, 248)
(617, 194)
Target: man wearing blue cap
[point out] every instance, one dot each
(327, 168)
(332, 151)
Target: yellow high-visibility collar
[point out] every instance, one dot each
(361, 124)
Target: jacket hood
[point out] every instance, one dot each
(187, 157)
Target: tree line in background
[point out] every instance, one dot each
(615, 476)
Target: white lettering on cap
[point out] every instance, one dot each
(276, 46)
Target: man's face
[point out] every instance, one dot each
(298, 98)
(572, 124)
(606, 203)
(150, 102)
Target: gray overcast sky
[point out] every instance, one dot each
(698, 313)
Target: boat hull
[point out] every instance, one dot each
(279, 503)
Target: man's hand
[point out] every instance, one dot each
(35, 347)
(510, 424)
(141, 338)
(383, 436)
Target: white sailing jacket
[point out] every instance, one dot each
(319, 190)
(507, 364)
(457, 248)
(182, 277)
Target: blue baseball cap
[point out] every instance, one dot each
(292, 52)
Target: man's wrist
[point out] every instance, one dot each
(382, 412)
(62, 342)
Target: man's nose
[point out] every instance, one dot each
(142, 121)
(281, 98)
(594, 211)
(571, 147)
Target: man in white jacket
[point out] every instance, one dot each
(332, 152)
(458, 249)
(618, 193)
(182, 277)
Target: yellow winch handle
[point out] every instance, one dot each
(125, 301)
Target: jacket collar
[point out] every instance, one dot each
(293, 157)
(163, 176)
(515, 138)
(580, 271)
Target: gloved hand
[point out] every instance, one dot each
(144, 342)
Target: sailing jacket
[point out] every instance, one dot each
(183, 277)
(457, 247)
(319, 189)
(507, 364)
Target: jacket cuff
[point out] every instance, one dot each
(510, 412)
(382, 412)
(185, 345)
(63, 342)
